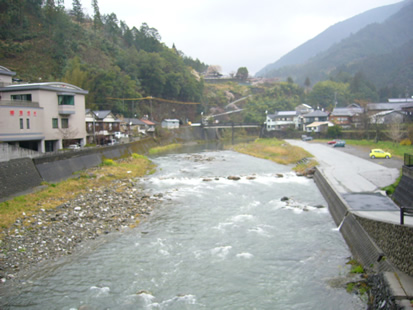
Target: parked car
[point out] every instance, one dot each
(332, 142)
(379, 153)
(306, 138)
(340, 143)
(74, 147)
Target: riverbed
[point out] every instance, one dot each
(231, 232)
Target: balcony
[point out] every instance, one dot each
(66, 109)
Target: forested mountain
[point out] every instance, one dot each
(381, 51)
(41, 40)
(331, 36)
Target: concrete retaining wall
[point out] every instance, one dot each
(18, 175)
(363, 248)
(403, 195)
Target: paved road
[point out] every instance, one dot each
(359, 179)
(349, 173)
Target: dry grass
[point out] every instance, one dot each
(273, 149)
(52, 195)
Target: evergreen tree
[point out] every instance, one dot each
(97, 19)
(77, 11)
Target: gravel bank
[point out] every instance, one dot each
(54, 233)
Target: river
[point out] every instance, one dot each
(213, 243)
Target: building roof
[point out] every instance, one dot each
(316, 124)
(347, 111)
(286, 113)
(6, 71)
(316, 113)
(148, 122)
(133, 121)
(102, 114)
(389, 106)
(60, 87)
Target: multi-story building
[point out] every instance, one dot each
(101, 126)
(347, 117)
(44, 117)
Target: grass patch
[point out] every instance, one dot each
(54, 195)
(394, 148)
(275, 150)
(165, 148)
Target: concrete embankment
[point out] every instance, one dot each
(18, 176)
(384, 248)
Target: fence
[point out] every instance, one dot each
(408, 160)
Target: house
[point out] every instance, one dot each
(282, 120)
(388, 117)
(101, 126)
(133, 126)
(43, 117)
(170, 123)
(148, 126)
(315, 116)
(318, 126)
(304, 109)
(347, 117)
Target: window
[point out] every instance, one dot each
(65, 123)
(28, 123)
(26, 97)
(66, 100)
(21, 124)
(55, 123)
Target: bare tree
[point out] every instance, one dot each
(68, 134)
(395, 132)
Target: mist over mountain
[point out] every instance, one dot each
(375, 42)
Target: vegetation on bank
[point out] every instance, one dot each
(164, 148)
(54, 194)
(277, 151)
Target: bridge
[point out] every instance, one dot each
(232, 125)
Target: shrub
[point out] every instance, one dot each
(108, 162)
(406, 142)
(137, 156)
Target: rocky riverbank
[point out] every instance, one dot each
(50, 234)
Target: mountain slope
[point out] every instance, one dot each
(331, 36)
(380, 51)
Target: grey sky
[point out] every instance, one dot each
(235, 33)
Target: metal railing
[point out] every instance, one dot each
(408, 160)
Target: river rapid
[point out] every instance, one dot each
(213, 243)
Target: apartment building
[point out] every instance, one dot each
(44, 117)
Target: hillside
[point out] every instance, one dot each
(48, 42)
(331, 36)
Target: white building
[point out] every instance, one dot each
(170, 123)
(44, 117)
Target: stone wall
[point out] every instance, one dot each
(396, 241)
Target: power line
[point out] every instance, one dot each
(153, 98)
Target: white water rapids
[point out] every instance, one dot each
(213, 243)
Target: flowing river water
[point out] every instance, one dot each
(213, 243)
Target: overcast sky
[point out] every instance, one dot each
(235, 33)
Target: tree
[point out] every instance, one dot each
(242, 74)
(395, 132)
(97, 19)
(325, 94)
(77, 11)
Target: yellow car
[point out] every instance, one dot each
(378, 153)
